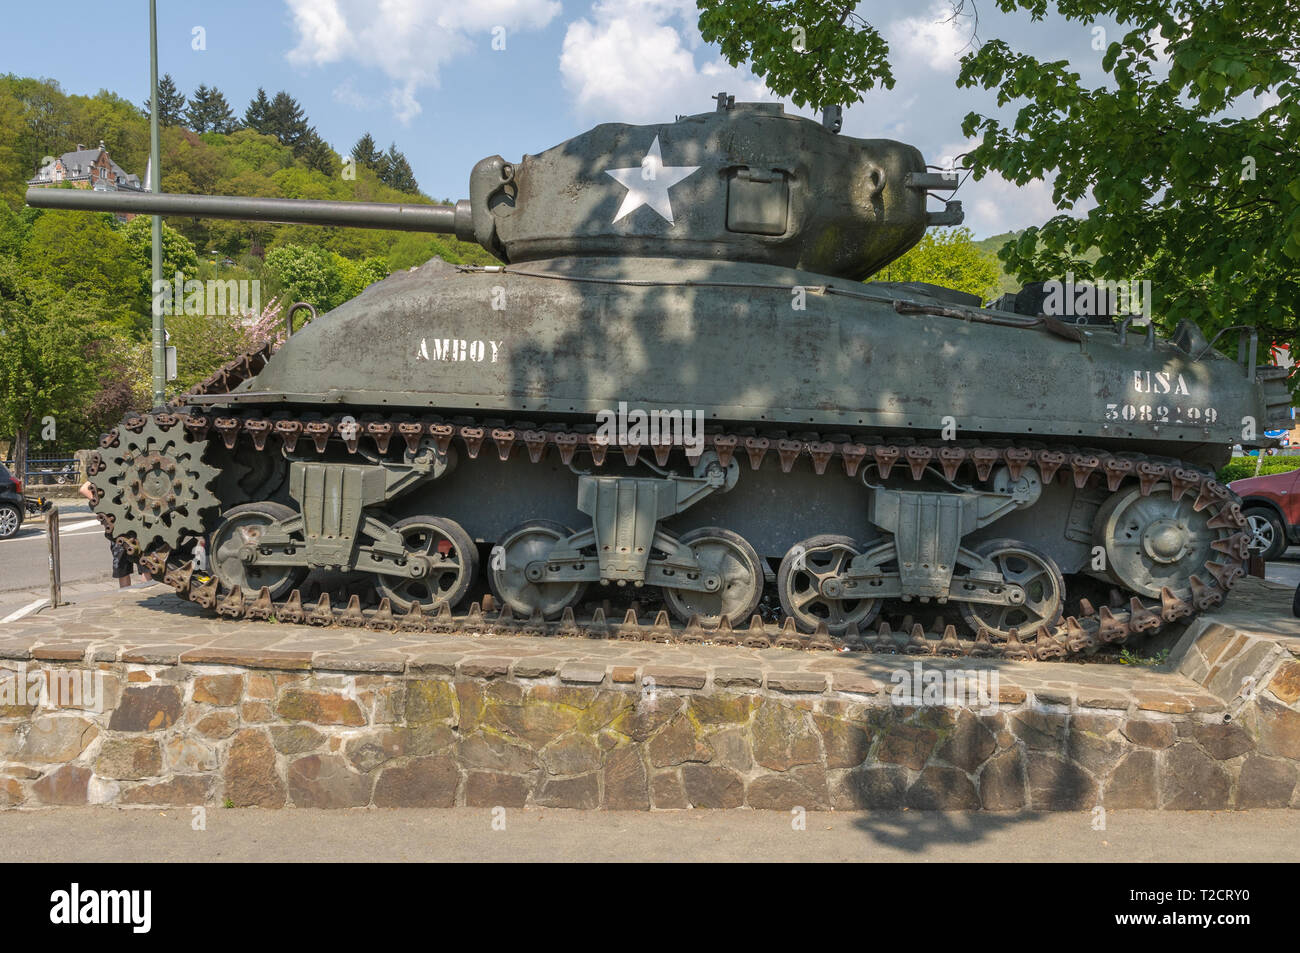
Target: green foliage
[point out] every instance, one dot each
(1198, 187)
(203, 343)
(282, 118)
(1241, 468)
(413, 249)
(817, 52)
(395, 172)
(47, 341)
(88, 276)
(297, 273)
(171, 103)
(356, 276)
(320, 277)
(74, 251)
(37, 119)
(178, 254)
(366, 153)
(319, 157)
(209, 111)
(950, 258)
(1129, 657)
(258, 114)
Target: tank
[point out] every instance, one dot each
(675, 411)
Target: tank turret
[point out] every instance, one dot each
(744, 183)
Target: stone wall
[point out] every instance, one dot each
(480, 731)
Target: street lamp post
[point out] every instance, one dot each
(155, 176)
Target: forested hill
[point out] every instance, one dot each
(75, 288)
(270, 149)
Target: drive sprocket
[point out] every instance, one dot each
(152, 483)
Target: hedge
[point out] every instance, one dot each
(1239, 468)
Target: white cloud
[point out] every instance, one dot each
(937, 38)
(347, 94)
(408, 40)
(636, 61)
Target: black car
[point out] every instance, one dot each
(13, 508)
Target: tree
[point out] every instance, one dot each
(86, 253)
(395, 172)
(1197, 186)
(356, 276)
(203, 343)
(46, 116)
(300, 273)
(171, 103)
(258, 114)
(287, 122)
(45, 338)
(818, 52)
(947, 257)
(366, 153)
(318, 155)
(209, 111)
(178, 255)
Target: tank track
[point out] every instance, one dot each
(1077, 634)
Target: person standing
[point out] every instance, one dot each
(123, 564)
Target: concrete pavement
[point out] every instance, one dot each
(468, 834)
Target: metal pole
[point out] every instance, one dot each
(155, 177)
(56, 570)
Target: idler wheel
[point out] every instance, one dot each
(529, 542)
(801, 584)
(453, 564)
(243, 526)
(1033, 571)
(727, 555)
(1154, 541)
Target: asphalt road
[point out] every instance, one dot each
(84, 559)
(468, 834)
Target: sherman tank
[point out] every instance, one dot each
(678, 411)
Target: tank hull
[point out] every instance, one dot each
(747, 343)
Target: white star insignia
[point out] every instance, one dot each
(648, 183)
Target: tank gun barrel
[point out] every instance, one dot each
(448, 219)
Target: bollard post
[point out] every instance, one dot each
(52, 534)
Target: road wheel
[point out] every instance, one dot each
(240, 526)
(11, 520)
(728, 555)
(1035, 572)
(454, 559)
(799, 580)
(526, 543)
(1266, 532)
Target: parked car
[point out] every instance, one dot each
(1271, 504)
(13, 507)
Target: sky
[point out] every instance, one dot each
(452, 81)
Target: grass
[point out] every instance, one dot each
(1150, 661)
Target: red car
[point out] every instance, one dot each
(1272, 507)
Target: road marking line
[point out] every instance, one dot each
(25, 611)
(70, 527)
